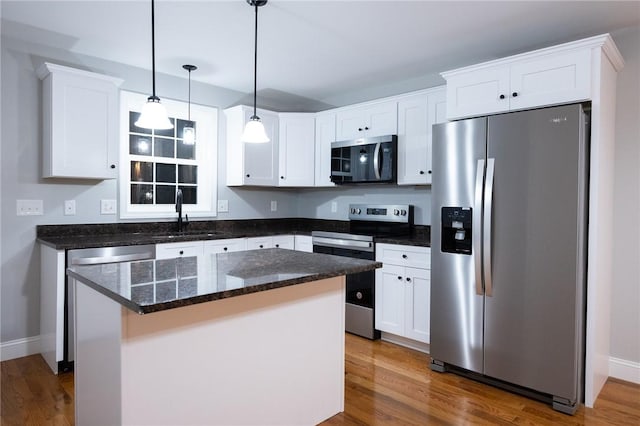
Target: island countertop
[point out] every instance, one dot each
(159, 284)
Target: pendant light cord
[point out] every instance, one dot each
(153, 49)
(255, 62)
(189, 118)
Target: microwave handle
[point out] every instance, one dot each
(376, 161)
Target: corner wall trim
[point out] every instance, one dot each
(624, 370)
(19, 348)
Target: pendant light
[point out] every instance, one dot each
(254, 129)
(189, 132)
(154, 115)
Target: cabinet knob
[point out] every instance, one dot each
(261, 246)
(404, 256)
(421, 172)
(408, 279)
(281, 177)
(514, 94)
(248, 175)
(366, 128)
(277, 245)
(429, 172)
(113, 166)
(181, 252)
(225, 249)
(359, 129)
(399, 277)
(501, 96)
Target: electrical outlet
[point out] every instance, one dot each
(274, 205)
(107, 206)
(334, 207)
(69, 207)
(223, 206)
(29, 208)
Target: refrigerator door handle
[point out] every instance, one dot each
(476, 225)
(486, 226)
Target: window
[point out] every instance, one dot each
(156, 163)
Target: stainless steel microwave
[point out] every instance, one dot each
(365, 160)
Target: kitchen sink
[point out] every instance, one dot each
(189, 234)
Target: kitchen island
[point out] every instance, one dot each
(254, 337)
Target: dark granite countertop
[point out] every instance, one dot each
(66, 237)
(156, 285)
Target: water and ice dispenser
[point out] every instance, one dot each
(456, 230)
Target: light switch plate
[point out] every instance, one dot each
(334, 207)
(107, 206)
(274, 205)
(69, 207)
(29, 208)
(223, 206)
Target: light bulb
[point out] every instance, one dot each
(189, 135)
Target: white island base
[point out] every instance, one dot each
(274, 357)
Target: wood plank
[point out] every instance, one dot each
(384, 384)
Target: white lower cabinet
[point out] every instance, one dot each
(303, 243)
(278, 241)
(225, 246)
(172, 250)
(403, 287)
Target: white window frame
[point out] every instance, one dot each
(206, 119)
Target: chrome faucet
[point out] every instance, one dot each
(179, 211)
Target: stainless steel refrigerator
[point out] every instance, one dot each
(508, 251)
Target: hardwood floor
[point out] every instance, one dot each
(384, 384)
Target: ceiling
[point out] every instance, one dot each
(318, 50)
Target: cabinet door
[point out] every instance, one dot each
(259, 243)
(325, 134)
(436, 113)
(350, 124)
(413, 137)
(478, 92)
(284, 241)
(551, 79)
(80, 114)
(172, 250)
(225, 246)
(261, 159)
(417, 304)
(382, 119)
(296, 150)
(303, 243)
(390, 299)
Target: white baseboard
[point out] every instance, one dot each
(19, 348)
(403, 341)
(624, 370)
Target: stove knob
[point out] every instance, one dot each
(403, 212)
(358, 211)
(396, 212)
(353, 210)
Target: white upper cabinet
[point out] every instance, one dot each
(251, 163)
(549, 76)
(416, 115)
(297, 149)
(325, 134)
(80, 118)
(367, 120)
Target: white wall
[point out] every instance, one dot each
(625, 298)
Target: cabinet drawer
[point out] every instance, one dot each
(171, 250)
(259, 243)
(225, 246)
(413, 256)
(284, 242)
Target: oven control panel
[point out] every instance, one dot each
(402, 213)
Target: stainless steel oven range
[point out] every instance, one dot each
(366, 222)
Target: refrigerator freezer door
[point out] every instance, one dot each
(456, 309)
(533, 319)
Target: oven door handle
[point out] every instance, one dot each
(332, 242)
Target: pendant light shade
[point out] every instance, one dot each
(254, 131)
(189, 132)
(154, 115)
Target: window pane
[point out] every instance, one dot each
(163, 147)
(141, 171)
(166, 194)
(186, 151)
(189, 194)
(181, 125)
(187, 174)
(165, 173)
(133, 117)
(139, 145)
(141, 194)
(167, 132)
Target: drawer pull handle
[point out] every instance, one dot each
(181, 252)
(408, 279)
(404, 256)
(399, 277)
(225, 249)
